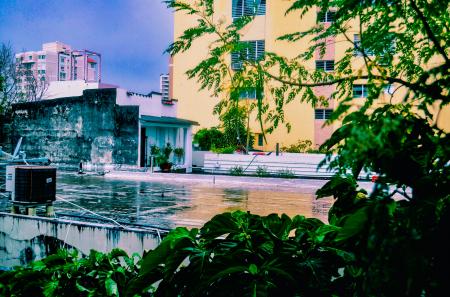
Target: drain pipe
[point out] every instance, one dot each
(250, 163)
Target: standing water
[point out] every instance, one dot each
(170, 204)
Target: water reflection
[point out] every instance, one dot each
(170, 205)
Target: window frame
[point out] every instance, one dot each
(326, 17)
(253, 51)
(241, 8)
(364, 91)
(327, 65)
(322, 114)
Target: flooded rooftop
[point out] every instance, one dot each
(188, 201)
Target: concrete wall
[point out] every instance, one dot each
(25, 238)
(91, 127)
(198, 158)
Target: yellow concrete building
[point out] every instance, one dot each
(270, 23)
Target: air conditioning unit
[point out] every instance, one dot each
(31, 184)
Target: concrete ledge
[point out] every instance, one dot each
(27, 238)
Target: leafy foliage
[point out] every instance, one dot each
(237, 170)
(67, 274)
(262, 171)
(241, 254)
(302, 146)
(207, 138)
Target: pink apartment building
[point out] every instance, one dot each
(58, 62)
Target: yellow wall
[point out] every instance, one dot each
(198, 105)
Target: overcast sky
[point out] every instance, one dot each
(131, 35)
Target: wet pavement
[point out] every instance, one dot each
(168, 203)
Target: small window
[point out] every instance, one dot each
(260, 140)
(248, 93)
(62, 59)
(358, 49)
(253, 51)
(360, 91)
(30, 57)
(326, 17)
(62, 76)
(242, 8)
(325, 65)
(322, 114)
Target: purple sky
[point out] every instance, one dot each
(131, 35)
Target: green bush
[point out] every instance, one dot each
(286, 173)
(302, 146)
(66, 273)
(224, 150)
(208, 138)
(241, 254)
(237, 170)
(262, 171)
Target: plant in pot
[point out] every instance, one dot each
(179, 154)
(163, 158)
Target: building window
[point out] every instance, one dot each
(62, 60)
(358, 50)
(242, 8)
(326, 17)
(62, 68)
(325, 65)
(260, 140)
(252, 51)
(247, 93)
(41, 57)
(62, 76)
(360, 91)
(322, 114)
(30, 57)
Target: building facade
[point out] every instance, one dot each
(107, 126)
(55, 62)
(270, 22)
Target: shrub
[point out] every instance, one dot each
(225, 150)
(237, 170)
(208, 138)
(262, 171)
(286, 173)
(302, 146)
(66, 273)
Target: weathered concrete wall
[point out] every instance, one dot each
(91, 128)
(5, 132)
(24, 238)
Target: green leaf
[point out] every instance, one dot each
(353, 224)
(253, 269)
(111, 287)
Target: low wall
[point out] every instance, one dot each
(301, 165)
(26, 238)
(198, 158)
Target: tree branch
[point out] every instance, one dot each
(430, 34)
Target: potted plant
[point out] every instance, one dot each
(162, 159)
(179, 153)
